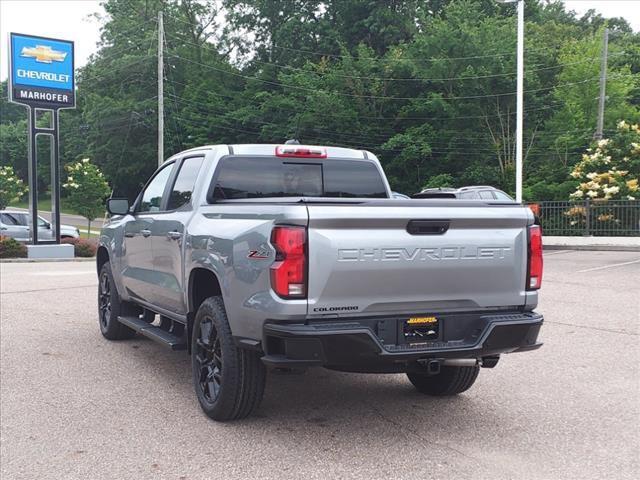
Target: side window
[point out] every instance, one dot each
(7, 219)
(152, 195)
(468, 195)
(486, 194)
(501, 195)
(185, 181)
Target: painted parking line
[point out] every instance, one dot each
(608, 266)
(64, 273)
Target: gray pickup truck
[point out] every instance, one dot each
(287, 256)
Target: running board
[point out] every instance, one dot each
(156, 334)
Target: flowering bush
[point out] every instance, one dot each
(11, 187)
(86, 189)
(83, 247)
(611, 170)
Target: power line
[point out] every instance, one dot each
(364, 144)
(418, 59)
(408, 79)
(399, 117)
(368, 136)
(378, 97)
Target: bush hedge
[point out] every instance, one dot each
(11, 248)
(83, 247)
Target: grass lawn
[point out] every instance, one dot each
(44, 204)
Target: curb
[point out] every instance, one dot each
(42, 260)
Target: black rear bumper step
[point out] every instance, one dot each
(360, 347)
(155, 333)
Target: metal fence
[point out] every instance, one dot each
(613, 218)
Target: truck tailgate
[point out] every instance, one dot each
(416, 256)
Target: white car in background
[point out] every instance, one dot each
(15, 224)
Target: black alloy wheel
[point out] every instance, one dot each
(104, 300)
(208, 357)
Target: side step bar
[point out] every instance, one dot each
(154, 333)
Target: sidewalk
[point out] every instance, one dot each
(631, 244)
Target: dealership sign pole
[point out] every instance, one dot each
(41, 77)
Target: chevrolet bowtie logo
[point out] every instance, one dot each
(43, 54)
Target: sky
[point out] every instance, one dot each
(71, 20)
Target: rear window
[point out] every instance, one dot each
(435, 195)
(262, 177)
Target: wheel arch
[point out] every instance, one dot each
(102, 257)
(203, 283)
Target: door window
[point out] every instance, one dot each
(486, 194)
(152, 196)
(9, 219)
(501, 195)
(185, 181)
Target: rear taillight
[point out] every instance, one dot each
(300, 152)
(289, 271)
(534, 267)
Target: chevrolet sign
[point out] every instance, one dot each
(41, 72)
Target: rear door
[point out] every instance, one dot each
(168, 237)
(418, 257)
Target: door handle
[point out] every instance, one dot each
(145, 233)
(174, 235)
(129, 234)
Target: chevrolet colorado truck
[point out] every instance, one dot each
(289, 256)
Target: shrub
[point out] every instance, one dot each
(610, 171)
(83, 247)
(11, 248)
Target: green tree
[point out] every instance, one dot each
(86, 190)
(442, 180)
(11, 187)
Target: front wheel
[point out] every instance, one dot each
(450, 381)
(110, 307)
(229, 381)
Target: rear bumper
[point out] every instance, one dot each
(377, 344)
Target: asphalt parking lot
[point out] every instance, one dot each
(74, 406)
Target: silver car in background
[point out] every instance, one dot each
(15, 224)
(475, 192)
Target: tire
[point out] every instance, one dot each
(228, 380)
(450, 381)
(110, 307)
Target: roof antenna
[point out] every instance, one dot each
(293, 141)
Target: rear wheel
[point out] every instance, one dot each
(450, 380)
(110, 307)
(229, 381)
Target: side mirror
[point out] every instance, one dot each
(118, 206)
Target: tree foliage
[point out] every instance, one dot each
(11, 187)
(429, 86)
(86, 190)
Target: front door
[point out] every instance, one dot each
(14, 225)
(169, 235)
(137, 263)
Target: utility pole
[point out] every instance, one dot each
(603, 84)
(160, 90)
(520, 100)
